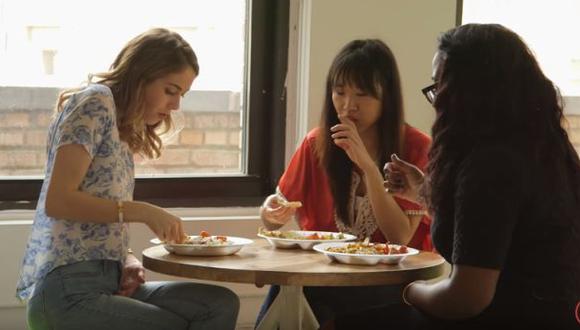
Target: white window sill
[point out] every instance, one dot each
(24, 217)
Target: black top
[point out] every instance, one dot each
(510, 214)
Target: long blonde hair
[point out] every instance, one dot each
(147, 57)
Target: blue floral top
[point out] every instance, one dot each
(88, 119)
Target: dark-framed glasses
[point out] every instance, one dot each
(430, 92)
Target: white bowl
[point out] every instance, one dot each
(236, 244)
(305, 244)
(362, 259)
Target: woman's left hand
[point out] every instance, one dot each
(345, 136)
(132, 277)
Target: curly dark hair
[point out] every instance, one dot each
(490, 89)
(370, 65)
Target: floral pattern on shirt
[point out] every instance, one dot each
(88, 119)
(360, 212)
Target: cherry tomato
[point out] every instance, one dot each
(313, 236)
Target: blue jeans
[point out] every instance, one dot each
(81, 296)
(327, 302)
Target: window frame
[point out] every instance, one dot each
(264, 131)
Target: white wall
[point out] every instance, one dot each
(409, 27)
(321, 27)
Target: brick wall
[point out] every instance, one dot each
(210, 141)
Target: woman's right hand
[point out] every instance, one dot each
(165, 225)
(275, 212)
(403, 179)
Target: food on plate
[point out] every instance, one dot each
(370, 248)
(297, 235)
(294, 204)
(204, 238)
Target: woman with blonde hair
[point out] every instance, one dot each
(78, 272)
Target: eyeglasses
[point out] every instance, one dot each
(430, 92)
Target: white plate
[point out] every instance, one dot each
(236, 244)
(362, 259)
(305, 244)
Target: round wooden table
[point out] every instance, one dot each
(261, 264)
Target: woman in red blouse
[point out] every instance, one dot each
(336, 172)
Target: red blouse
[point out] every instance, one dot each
(304, 180)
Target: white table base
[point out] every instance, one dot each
(289, 311)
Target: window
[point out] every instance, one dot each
(544, 26)
(548, 28)
(230, 150)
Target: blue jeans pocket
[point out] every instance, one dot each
(88, 277)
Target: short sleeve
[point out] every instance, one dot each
(85, 123)
(488, 197)
(416, 152)
(297, 174)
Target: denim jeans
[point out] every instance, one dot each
(327, 302)
(81, 296)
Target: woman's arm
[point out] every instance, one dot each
(392, 221)
(395, 225)
(132, 276)
(65, 201)
(489, 195)
(466, 293)
(274, 214)
(403, 179)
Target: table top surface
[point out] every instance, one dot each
(259, 263)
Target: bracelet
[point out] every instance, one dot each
(416, 212)
(120, 211)
(405, 293)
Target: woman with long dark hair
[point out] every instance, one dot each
(503, 185)
(337, 171)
